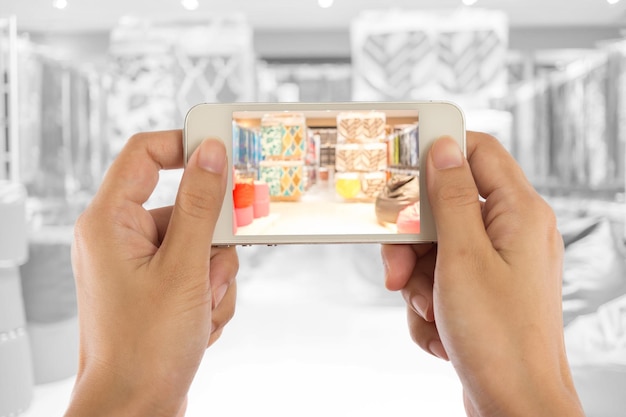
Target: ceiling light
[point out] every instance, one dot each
(190, 4)
(325, 4)
(59, 4)
(612, 1)
(469, 2)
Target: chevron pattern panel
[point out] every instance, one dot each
(470, 61)
(429, 55)
(392, 62)
(160, 71)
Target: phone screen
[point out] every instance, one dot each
(327, 172)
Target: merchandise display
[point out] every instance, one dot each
(372, 183)
(567, 132)
(60, 149)
(400, 192)
(261, 204)
(326, 139)
(283, 136)
(353, 127)
(285, 179)
(456, 55)
(159, 71)
(320, 164)
(348, 185)
(361, 155)
(243, 199)
(355, 157)
(403, 149)
(246, 147)
(409, 219)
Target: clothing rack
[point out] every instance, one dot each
(567, 132)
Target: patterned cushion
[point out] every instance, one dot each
(594, 270)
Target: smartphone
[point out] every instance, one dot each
(324, 172)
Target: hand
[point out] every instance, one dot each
(152, 291)
(487, 296)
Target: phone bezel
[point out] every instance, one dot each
(214, 120)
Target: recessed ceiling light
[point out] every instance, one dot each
(190, 4)
(612, 1)
(469, 2)
(59, 4)
(325, 4)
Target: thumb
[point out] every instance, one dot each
(198, 204)
(453, 198)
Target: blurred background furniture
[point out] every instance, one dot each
(16, 375)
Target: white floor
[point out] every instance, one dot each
(320, 211)
(314, 334)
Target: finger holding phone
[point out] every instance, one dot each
(487, 296)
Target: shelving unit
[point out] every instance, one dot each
(9, 118)
(358, 157)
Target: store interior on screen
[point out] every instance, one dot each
(326, 172)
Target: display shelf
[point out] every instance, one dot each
(322, 122)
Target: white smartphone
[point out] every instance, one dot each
(325, 172)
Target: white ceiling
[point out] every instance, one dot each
(98, 15)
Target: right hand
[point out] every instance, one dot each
(487, 296)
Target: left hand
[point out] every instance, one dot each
(153, 293)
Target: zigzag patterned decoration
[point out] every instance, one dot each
(390, 62)
(208, 79)
(293, 142)
(354, 127)
(469, 61)
(361, 158)
(450, 55)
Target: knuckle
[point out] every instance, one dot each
(195, 204)
(136, 140)
(457, 195)
(553, 235)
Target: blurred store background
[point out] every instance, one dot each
(78, 78)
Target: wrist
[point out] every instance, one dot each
(548, 391)
(101, 392)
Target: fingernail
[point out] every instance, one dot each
(419, 303)
(219, 294)
(446, 154)
(437, 349)
(212, 156)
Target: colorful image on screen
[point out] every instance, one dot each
(326, 172)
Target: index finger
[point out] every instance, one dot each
(512, 205)
(400, 261)
(135, 172)
(493, 168)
